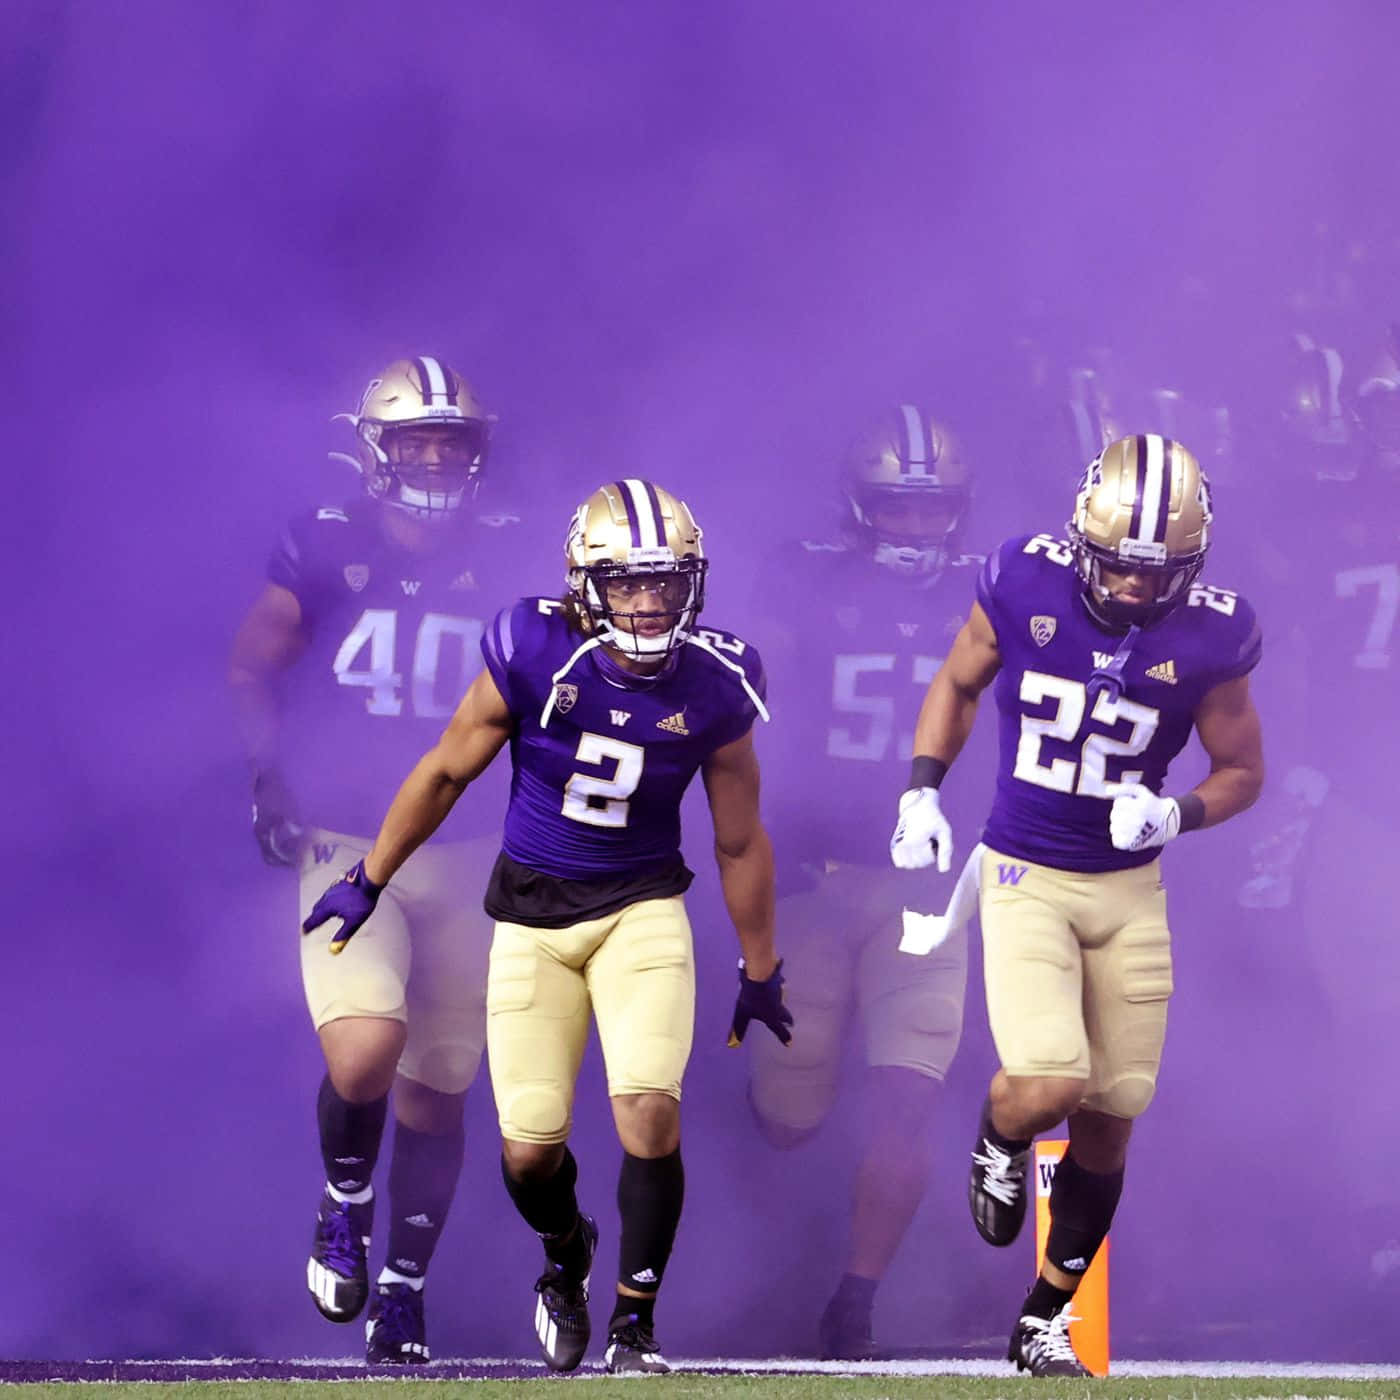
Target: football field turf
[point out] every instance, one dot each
(697, 1379)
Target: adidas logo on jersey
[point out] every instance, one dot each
(464, 581)
(673, 724)
(1163, 671)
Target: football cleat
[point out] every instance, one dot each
(632, 1351)
(996, 1186)
(395, 1334)
(337, 1273)
(1042, 1346)
(843, 1334)
(561, 1312)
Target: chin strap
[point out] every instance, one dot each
(1110, 677)
(736, 668)
(563, 671)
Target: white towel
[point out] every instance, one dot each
(925, 932)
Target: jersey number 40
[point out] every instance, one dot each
(377, 631)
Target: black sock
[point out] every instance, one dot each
(1082, 1204)
(1044, 1300)
(1011, 1146)
(422, 1180)
(650, 1192)
(856, 1293)
(550, 1209)
(350, 1137)
(642, 1311)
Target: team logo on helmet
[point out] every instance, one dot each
(1042, 629)
(565, 693)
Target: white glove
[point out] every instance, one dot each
(1139, 820)
(922, 833)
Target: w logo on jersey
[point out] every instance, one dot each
(620, 717)
(324, 851)
(1010, 874)
(411, 586)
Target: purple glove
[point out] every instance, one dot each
(351, 900)
(761, 1001)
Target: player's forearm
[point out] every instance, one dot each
(419, 807)
(945, 721)
(1227, 792)
(257, 716)
(746, 877)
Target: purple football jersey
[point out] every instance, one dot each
(1061, 745)
(858, 646)
(596, 791)
(393, 643)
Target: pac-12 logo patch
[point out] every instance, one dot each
(564, 696)
(357, 575)
(1042, 629)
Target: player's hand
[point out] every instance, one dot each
(923, 833)
(761, 1001)
(276, 828)
(1139, 819)
(351, 900)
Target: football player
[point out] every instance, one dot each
(364, 638)
(859, 624)
(1106, 653)
(611, 699)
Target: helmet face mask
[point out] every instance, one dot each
(421, 437)
(1141, 525)
(636, 568)
(907, 491)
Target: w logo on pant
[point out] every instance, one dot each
(1010, 874)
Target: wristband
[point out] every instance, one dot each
(1192, 811)
(926, 772)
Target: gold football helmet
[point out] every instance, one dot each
(421, 438)
(636, 567)
(1143, 508)
(908, 490)
(1378, 407)
(1315, 412)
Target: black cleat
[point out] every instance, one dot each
(395, 1334)
(1042, 1346)
(561, 1313)
(338, 1271)
(843, 1334)
(996, 1187)
(632, 1352)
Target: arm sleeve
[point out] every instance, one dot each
(286, 565)
(497, 651)
(741, 719)
(987, 580)
(1249, 644)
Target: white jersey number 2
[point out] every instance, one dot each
(603, 801)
